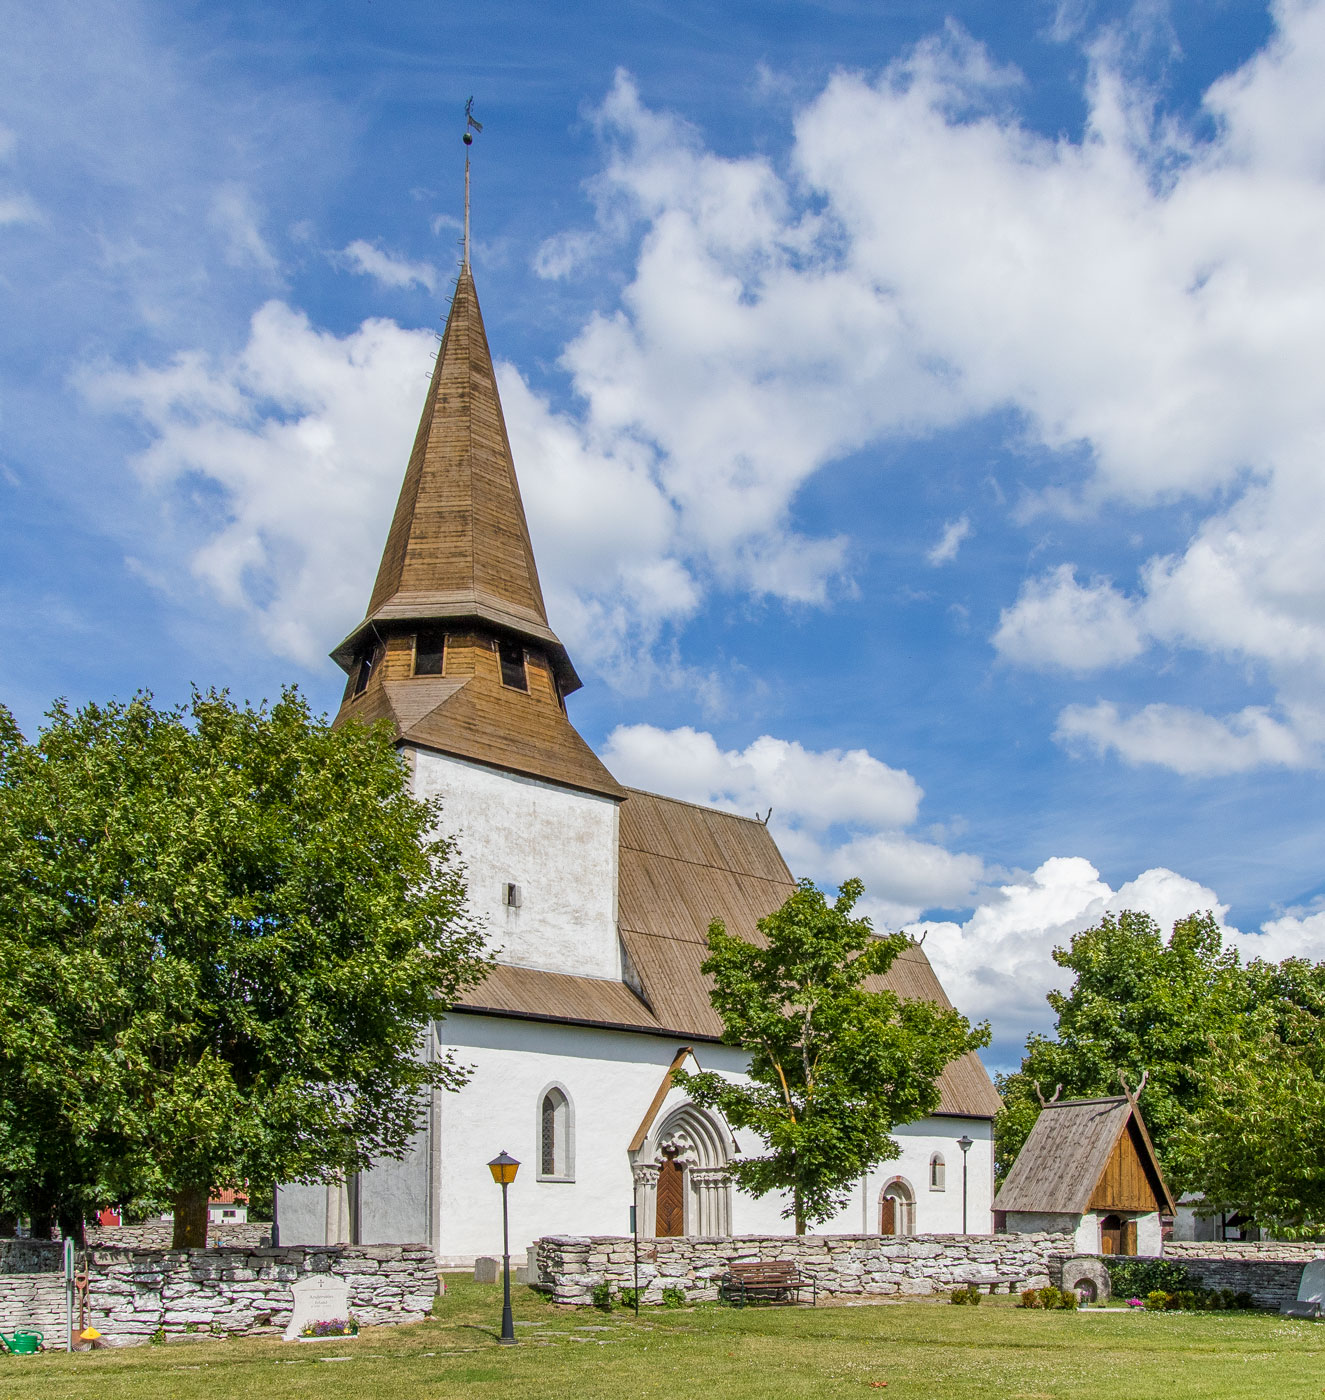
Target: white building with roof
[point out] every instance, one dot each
(597, 897)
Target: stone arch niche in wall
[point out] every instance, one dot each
(897, 1208)
(555, 1134)
(682, 1186)
(938, 1172)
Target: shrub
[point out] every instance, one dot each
(1134, 1278)
(1227, 1298)
(1157, 1300)
(1051, 1297)
(1068, 1300)
(602, 1295)
(1030, 1298)
(1243, 1300)
(966, 1294)
(1185, 1299)
(629, 1297)
(673, 1298)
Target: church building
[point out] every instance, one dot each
(597, 899)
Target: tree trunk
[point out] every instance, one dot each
(191, 1218)
(42, 1223)
(798, 1209)
(8, 1225)
(72, 1226)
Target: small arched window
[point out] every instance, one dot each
(556, 1157)
(938, 1172)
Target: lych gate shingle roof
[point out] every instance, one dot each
(682, 866)
(1063, 1159)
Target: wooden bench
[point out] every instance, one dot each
(769, 1281)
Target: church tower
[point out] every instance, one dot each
(456, 652)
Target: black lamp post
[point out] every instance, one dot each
(965, 1143)
(503, 1168)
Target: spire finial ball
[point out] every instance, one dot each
(467, 139)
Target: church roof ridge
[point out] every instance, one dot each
(699, 806)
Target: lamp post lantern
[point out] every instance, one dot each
(965, 1143)
(503, 1168)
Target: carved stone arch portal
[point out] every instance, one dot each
(682, 1186)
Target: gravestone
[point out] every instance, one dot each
(486, 1270)
(1310, 1292)
(317, 1298)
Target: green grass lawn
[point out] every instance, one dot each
(910, 1350)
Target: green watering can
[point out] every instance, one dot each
(22, 1343)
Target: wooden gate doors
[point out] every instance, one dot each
(671, 1199)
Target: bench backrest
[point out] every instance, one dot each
(771, 1272)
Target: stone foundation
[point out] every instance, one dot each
(135, 1294)
(843, 1266)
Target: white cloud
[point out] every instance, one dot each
(1186, 740)
(998, 964)
(236, 217)
(1057, 622)
(367, 258)
(950, 541)
(307, 489)
(18, 209)
(835, 813)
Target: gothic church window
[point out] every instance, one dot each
(512, 665)
(555, 1136)
(938, 1172)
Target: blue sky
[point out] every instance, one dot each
(917, 408)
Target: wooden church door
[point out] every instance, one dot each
(671, 1199)
(887, 1216)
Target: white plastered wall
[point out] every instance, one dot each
(557, 845)
(611, 1078)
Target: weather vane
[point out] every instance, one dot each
(472, 124)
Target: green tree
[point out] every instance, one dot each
(224, 931)
(1253, 1141)
(834, 1064)
(1139, 1003)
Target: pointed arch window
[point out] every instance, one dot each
(938, 1172)
(556, 1135)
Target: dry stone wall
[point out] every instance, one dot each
(157, 1234)
(843, 1266)
(135, 1294)
(1182, 1250)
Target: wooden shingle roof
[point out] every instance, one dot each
(682, 866)
(1074, 1150)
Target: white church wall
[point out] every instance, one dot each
(937, 1211)
(556, 845)
(611, 1078)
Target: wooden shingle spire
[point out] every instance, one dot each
(459, 543)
